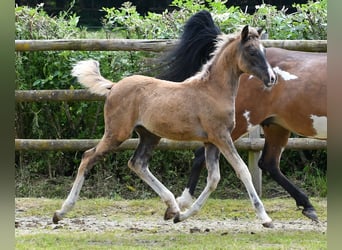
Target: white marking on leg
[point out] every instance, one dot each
(212, 180)
(319, 123)
(70, 201)
(165, 194)
(244, 175)
(185, 200)
(284, 74)
(246, 178)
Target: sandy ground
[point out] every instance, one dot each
(33, 224)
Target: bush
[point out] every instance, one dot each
(51, 70)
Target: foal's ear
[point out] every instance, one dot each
(244, 33)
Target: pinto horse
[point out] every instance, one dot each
(150, 106)
(297, 103)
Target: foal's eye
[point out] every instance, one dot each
(253, 52)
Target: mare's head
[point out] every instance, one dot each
(251, 56)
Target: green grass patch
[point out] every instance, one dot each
(127, 240)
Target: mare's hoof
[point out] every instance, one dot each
(56, 218)
(169, 214)
(311, 214)
(268, 224)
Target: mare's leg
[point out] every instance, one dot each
(89, 158)
(276, 138)
(212, 162)
(185, 200)
(229, 151)
(139, 164)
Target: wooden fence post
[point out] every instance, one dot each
(253, 157)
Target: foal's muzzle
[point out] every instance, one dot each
(272, 78)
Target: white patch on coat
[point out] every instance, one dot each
(250, 126)
(319, 123)
(284, 74)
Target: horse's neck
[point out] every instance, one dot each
(225, 73)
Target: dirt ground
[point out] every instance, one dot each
(101, 223)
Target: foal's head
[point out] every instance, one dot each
(251, 56)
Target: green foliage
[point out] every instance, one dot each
(51, 70)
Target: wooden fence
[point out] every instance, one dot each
(156, 45)
(253, 144)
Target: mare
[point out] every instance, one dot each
(206, 115)
(297, 103)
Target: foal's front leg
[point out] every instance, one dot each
(212, 161)
(229, 151)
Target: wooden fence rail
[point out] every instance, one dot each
(147, 45)
(56, 95)
(250, 144)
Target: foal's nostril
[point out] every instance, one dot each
(274, 78)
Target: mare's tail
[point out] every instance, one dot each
(88, 74)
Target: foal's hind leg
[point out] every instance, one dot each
(139, 164)
(185, 200)
(229, 151)
(89, 158)
(212, 161)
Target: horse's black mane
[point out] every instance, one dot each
(196, 45)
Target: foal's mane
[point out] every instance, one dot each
(222, 41)
(193, 50)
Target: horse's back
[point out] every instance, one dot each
(298, 61)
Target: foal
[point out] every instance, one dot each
(151, 107)
(297, 103)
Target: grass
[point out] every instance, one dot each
(119, 240)
(157, 238)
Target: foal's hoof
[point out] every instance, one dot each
(169, 214)
(56, 218)
(268, 224)
(176, 219)
(311, 214)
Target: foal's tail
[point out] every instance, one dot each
(88, 74)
